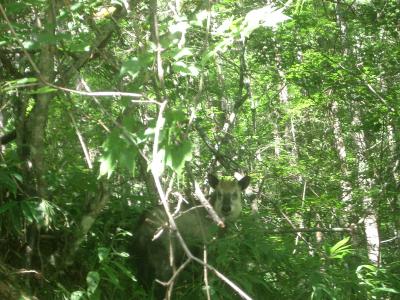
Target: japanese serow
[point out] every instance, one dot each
(158, 252)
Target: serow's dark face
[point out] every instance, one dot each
(227, 197)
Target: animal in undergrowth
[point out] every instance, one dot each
(157, 251)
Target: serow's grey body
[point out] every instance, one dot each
(157, 251)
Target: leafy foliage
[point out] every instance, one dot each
(100, 98)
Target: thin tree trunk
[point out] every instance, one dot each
(395, 160)
(366, 183)
(38, 117)
(345, 185)
(32, 136)
(276, 133)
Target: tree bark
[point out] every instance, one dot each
(345, 185)
(366, 183)
(395, 160)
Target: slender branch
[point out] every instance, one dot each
(207, 206)
(310, 230)
(81, 140)
(176, 273)
(206, 273)
(293, 226)
(221, 276)
(391, 240)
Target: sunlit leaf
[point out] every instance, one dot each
(103, 253)
(107, 165)
(267, 16)
(92, 280)
(340, 249)
(182, 53)
(25, 80)
(225, 26)
(76, 6)
(78, 295)
(131, 67)
(179, 27)
(29, 44)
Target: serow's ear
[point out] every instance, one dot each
(244, 182)
(212, 180)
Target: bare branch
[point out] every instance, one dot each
(309, 230)
(207, 206)
(81, 140)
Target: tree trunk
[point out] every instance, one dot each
(395, 200)
(345, 185)
(366, 183)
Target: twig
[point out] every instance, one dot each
(391, 240)
(206, 273)
(310, 230)
(207, 206)
(81, 141)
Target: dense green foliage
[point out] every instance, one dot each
(102, 100)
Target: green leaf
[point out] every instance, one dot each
(26, 80)
(177, 155)
(44, 90)
(112, 274)
(7, 182)
(184, 52)
(46, 210)
(76, 6)
(29, 45)
(184, 69)
(134, 65)
(79, 46)
(180, 27)
(175, 116)
(103, 253)
(107, 165)
(46, 38)
(8, 206)
(371, 268)
(387, 290)
(29, 211)
(128, 159)
(131, 67)
(125, 270)
(267, 16)
(16, 7)
(77, 295)
(340, 249)
(92, 280)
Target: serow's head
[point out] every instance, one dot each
(226, 199)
